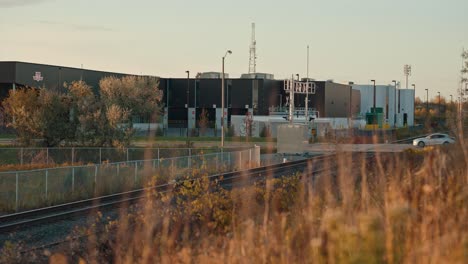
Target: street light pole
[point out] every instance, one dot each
(188, 107)
(375, 111)
(395, 106)
(439, 108)
(427, 102)
(414, 101)
(222, 100)
(374, 94)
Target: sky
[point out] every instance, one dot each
(349, 40)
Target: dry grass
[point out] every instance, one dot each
(403, 208)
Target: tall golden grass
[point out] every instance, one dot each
(392, 208)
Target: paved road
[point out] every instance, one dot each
(324, 147)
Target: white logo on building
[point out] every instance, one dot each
(38, 77)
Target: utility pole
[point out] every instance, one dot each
(222, 99)
(395, 107)
(188, 107)
(307, 91)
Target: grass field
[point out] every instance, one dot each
(398, 208)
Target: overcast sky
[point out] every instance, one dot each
(350, 40)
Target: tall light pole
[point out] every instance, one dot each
(414, 101)
(350, 103)
(374, 119)
(188, 107)
(395, 106)
(407, 72)
(222, 100)
(427, 101)
(439, 108)
(451, 103)
(375, 98)
(297, 112)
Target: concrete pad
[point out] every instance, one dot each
(385, 148)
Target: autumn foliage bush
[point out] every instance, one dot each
(389, 208)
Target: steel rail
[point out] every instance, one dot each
(262, 172)
(14, 221)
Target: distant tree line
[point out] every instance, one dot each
(80, 117)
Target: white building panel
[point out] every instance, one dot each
(406, 107)
(385, 98)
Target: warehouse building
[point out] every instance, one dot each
(185, 99)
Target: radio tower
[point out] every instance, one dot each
(253, 52)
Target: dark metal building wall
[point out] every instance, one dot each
(356, 102)
(240, 94)
(4, 90)
(209, 93)
(55, 76)
(270, 95)
(7, 72)
(177, 117)
(317, 100)
(337, 100)
(178, 92)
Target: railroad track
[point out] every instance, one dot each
(14, 222)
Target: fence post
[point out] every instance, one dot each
(100, 155)
(17, 188)
(21, 156)
(73, 180)
(172, 167)
(46, 183)
(73, 156)
(222, 157)
(190, 158)
(47, 157)
(136, 173)
(95, 179)
(158, 154)
(127, 154)
(250, 157)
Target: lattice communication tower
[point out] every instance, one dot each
(253, 52)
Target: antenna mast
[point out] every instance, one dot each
(407, 72)
(253, 52)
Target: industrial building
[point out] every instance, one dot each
(256, 93)
(397, 104)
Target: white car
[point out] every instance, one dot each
(433, 139)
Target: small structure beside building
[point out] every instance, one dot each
(292, 138)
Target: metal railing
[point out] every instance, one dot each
(81, 155)
(23, 190)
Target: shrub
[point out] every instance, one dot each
(231, 132)
(159, 132)
(265, 132)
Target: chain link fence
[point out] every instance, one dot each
(49, 156)
(24, 190)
